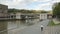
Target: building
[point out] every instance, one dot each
(11, 16)
(3, 11)
(43, 16)
(18, 15)
(49, 16)
(23, 16)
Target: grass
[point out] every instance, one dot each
(51, 23)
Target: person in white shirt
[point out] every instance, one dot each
(41, 27)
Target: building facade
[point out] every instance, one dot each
(3, 11)
(23, 16)
(43, 16)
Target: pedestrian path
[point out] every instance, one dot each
(52, 30)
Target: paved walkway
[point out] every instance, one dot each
(52, 30)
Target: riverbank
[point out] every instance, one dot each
(53, 23)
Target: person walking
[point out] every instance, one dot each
(41, 27)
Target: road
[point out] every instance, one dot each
(34, 29)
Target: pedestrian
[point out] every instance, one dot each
(41, 27)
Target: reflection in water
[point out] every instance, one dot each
(3, 27)
(13, 24)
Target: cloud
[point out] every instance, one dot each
(29, 4)
(46, 5)
(15, 2)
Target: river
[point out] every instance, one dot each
(13, 24)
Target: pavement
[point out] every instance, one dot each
(34, 29)
(52, 30)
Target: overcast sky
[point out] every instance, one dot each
(29, 4)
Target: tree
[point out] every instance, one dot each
(44, 11)
(56, 9)
(13, 10)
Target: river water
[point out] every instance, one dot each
(13, 24)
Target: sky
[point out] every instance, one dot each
(30, 4)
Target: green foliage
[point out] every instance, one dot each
(25, 11)
(12, 10)
(44, 12)
(56, 9)
(22, 11)
(51, 23)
